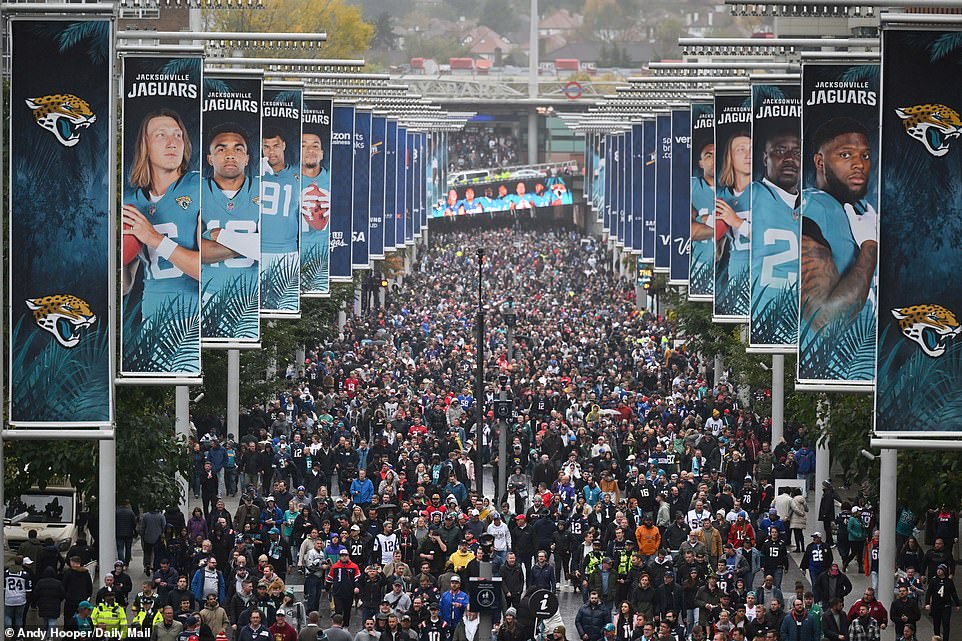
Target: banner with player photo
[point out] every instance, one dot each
(231, 214)
(376, 204)
(315, 196)
(620, 146)
(342, 191)
(60, 223)
(161, 196)
(919, 350)
(839, 238)
(281, 199)
(663, 193)
(360, 225)
(733, 213)
(680, 205)
(598, 178)
(701, 279)
(420, 182)
(776, 201)
(609, 160)
(410, 179)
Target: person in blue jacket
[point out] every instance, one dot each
(205, 579)
(453, 603)
(362, 489)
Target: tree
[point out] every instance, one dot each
(348, 35)
(499, 15)
(384, 36)
(149, 455)
(667, 32)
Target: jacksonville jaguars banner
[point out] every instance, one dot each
(281, 200)
(360, 250)
(619, 151)
(420, 183)
(411, 171)
(733, 214)
(680, 205)
(605, 182)
(776, 200)
(342, 191)
(316, 196)
(376, 204)
(701, 277)
(390, 185)
(60, 223)
(839, 237)
(919, 351)
(598, 177)
(161, 194)
(649, 156)
(663, 193)
(230, 215)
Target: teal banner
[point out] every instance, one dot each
(60, 219)
(701, 279)
(316, 197)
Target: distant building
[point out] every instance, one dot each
(485, 43)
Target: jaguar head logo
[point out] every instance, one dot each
(64, 115)
(931, 326)
(934, 125)
(184, 201)
(62, 315)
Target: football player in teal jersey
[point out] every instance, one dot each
(839, 228)
(703, 213)
(315, 214)
(775, 203)
(280, 205)
(231, 218)
(733, 208)
(520, 199)
(161, 210)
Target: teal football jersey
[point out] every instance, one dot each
(240, 214)
(739, 245)
(826, 213)
(175, 216)
(280, 206)
(775, 246)
(703, 202)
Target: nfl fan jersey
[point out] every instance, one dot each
(280, 200)
(241, 214)
(175, 215)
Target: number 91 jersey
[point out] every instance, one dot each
(280, 208)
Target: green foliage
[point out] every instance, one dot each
(384, 36)
(170, 342)
(149, 455)
(437, 49)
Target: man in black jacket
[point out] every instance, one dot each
(835, 622)
(512, 580)
(826, 510)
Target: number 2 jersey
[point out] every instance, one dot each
(175, 215)
(703, 211)
(774, 257)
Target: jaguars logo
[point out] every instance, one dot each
(184, 201)
(64, 115)
(931, 326)
(933, 125)
(62, 315)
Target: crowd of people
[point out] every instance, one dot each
(483, 148)
(634, 482)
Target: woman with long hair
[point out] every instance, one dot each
(733, 205)
(624, 621)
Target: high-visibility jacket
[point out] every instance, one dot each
(113, 618)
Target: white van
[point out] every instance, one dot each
(471, 176)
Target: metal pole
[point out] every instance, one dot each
(107, 506)
(233, 390)
(502, 453)
(182, 428)
(485, 619)
(533, 137)
(778, 399)
(719, 368)
(479, 380)
(888, 484)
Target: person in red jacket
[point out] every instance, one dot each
(741, 529)
(342, 581)
(875, 608)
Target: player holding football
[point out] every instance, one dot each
(775, 202)
(733, 207)
(316, 181)
(280, 202)
(839, 228)
(231, 217)
(161, 210)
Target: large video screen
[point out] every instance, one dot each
(507, 195)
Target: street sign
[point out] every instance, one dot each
(543, 604)
(573, 90)
(486, 594)
(502, 410)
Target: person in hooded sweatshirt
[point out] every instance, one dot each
(48, 595)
